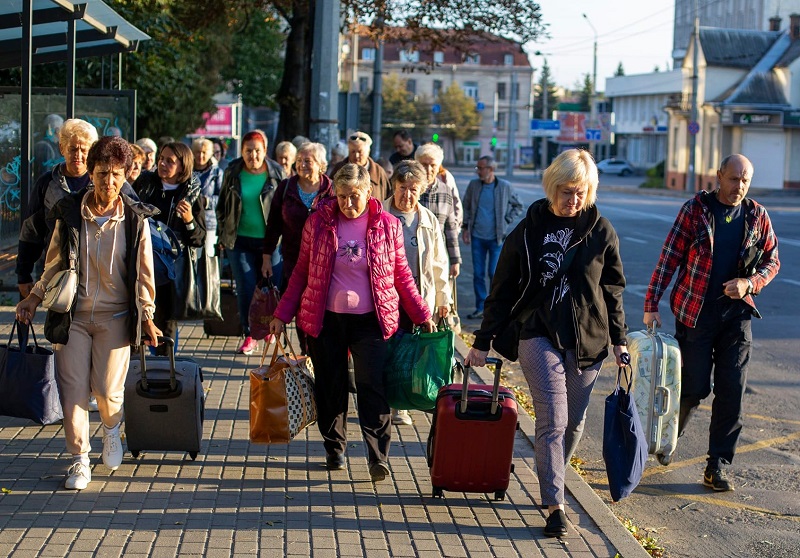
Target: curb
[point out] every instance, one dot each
(627, 546)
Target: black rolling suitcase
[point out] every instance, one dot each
(229, 325)
(164, 403)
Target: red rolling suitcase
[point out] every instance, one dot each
(472, 437)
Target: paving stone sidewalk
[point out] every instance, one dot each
(240, 499)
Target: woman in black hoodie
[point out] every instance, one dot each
(559, 284)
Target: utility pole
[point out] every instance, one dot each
(690, 176)
(324, 109)
(593, 97)
(512, 113)
(545, 116)
(377, 91)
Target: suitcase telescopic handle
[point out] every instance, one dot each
(498, 364)
(173, 382)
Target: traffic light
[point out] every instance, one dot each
(435, 138)
(494, 143)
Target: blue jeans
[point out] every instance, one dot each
(482, 247)
(245, 259)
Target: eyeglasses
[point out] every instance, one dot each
(356, 137)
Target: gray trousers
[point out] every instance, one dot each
(560, 393)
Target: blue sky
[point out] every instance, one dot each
(637, 33)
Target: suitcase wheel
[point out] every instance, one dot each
(193, 455)
(664, 459)
(437, 492)
(135, 454)
(500, 495)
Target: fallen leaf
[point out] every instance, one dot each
(6, 490)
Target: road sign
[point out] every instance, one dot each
(594, 135)
(436, 109)
(545, 128)
(694, 128)
(480, 106)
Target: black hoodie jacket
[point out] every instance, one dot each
(595, 275)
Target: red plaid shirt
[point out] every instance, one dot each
(689, 249)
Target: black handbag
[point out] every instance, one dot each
(624, 440)
(197, 294)
(28, 386)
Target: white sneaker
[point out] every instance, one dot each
(112, 447)
(93, 404)
(78, 476)
(400, 416)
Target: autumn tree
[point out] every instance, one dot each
(459, 119)
(402, 109)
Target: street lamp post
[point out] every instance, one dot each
(592, 99)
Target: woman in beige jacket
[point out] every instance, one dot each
(424, 244)
(107, 237)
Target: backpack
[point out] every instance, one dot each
(166, 249)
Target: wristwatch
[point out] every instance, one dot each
(750, 287)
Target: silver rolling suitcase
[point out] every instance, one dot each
(656, 362)
(164, 403)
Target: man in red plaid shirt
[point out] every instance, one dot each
(725, 252)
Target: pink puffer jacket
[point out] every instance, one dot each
(390, 276)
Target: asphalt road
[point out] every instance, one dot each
(762, 516)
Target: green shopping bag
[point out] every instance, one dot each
(418, 365)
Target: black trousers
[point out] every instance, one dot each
(361, 334)
(162, 317)
(720, 341)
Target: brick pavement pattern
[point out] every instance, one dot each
(241, 499)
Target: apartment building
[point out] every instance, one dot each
(496, 74)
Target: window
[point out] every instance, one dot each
(471, 89)
(501, 120)
(363, 84)
(472, 59)
(408, 56)
(438, 57)
(508, 60)
(516, 92)
(411, 86)
(367, 54)
(501, 90)
(515, 121)
(437, 87)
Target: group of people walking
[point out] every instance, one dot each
(359, 254)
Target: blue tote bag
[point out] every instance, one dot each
(624, 441)
(27, 380)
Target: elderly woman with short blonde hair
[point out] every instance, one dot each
(285, 155)
(349, 283)
(560, 277)
(443, 200)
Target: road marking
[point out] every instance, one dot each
(761, 444)
(637, 240)
(638, 290)
(638, 214)
(790, 281)
(789, 241)
(650, 491)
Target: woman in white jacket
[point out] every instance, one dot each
(424, 244)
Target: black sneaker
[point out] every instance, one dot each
(556, 525)
(715, 478)
(378, 471)
(334, 462)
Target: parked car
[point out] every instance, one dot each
(615, 166)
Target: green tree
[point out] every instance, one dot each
(620, 70)
(257, 56)
(459, 118)
(545, 81)
(402, 109)
(585, 94)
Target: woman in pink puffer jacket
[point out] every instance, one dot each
(350, 279)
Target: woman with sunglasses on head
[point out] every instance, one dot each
(175, 191)
(358, 146)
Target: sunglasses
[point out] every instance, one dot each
(355, 137)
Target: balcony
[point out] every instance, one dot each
(679, 102)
